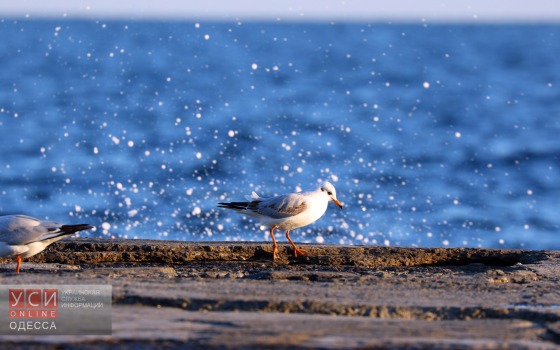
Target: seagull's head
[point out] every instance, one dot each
(328, 189)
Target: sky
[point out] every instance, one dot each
(532, 11)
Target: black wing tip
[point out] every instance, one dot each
(233, 205)
(69, 229)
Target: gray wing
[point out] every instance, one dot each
(22, 229)
(281, 207)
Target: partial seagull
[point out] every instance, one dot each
(287, 211)
(22, 236)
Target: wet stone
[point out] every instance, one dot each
(336, 297)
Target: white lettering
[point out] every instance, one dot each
(16, 299)
(29, 298)
(50, 299)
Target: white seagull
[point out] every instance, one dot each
(287, 211)
(22, 236)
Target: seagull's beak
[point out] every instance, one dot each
(337, 202)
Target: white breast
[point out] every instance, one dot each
(7, 250)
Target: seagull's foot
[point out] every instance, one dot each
(275, 254)
(18, 260)
(299, 252)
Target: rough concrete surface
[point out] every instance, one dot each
(224, 295)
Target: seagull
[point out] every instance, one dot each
(287, 211)
(22, 236)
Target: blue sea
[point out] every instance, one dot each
(437, 135)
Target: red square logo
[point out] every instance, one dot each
(33, 303)
(16, 298)
(33, 299)
(50, 298)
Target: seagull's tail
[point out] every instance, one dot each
(252, 201)
(242, 207)
(57, 231)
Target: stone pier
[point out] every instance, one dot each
(231, 295)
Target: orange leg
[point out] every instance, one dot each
(18, 259)
(297, 251)
(274, 245)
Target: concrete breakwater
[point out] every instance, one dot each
(231, 295)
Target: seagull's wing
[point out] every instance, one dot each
(22, 229)
(253, 197)
(281, 207)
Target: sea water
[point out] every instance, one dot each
(433, 134)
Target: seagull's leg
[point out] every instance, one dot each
(274, 245)
(297, 251)
(18, 259)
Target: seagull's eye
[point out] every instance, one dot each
(329, 193)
